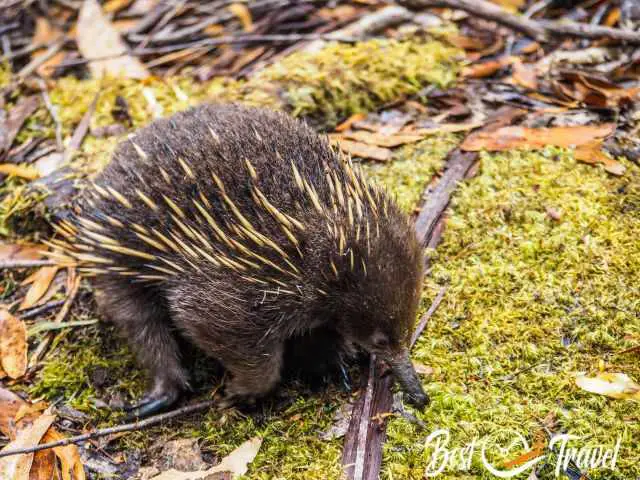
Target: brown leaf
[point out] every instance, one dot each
(13, 344)
(97, 38)
(46, 34)
(17, 467)
(377, 139)
(39, 287)
(506, 138)
(243, 13)
(592, 154)
(11, 407)
(26, 251)
(346, 125)
(10, 404)
(362, 150)
(236, 462)
(69, 456)
(524, 74)
(485, 69)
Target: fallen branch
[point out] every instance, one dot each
(127, 427)
(218, 41)
(362, 452)
(540, 30)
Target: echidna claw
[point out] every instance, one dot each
(147, 407)
(345, 378)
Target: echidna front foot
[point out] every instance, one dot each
(162, 396)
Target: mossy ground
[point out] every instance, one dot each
(529, 299)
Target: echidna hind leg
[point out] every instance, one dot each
(141, 315)
(254, 378)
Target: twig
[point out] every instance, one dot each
(34, 312)
(40, 60)
(83, 127)
(6, 264)
(427, 315)
(368, 24)
(44, 344)
(539, 30)
(52, 111)
(213, 42)
(127, 427)
(362, 453)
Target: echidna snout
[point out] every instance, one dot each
(240, 230)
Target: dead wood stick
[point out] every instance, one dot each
(537, 29)
(366, 25)
(46, 341)
(103, 432)
(214, 42)
(83, 127)
(362, 452)
(438, 198)
(7, 264)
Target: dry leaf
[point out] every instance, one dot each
(39, 287)
(10, 404)
(97, 38)
(17, 467)
(485, 69)
(507, 138)
(46, 34)
(614, 385)
(377, 139)
(587, 141)
(13, 344)
(524, 74)
(592, 154)
(237, 462)
(362, 150)
(11, 407)
(27, 251)
(69, 456)
(346, 125)
(243, 13)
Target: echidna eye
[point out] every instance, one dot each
(380, 341)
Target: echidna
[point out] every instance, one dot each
(239, 229)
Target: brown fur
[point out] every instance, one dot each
(355, 273)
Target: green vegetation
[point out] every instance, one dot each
(530, 300)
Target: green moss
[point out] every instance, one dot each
(341, 80)
(411, 169)
(77, 356)
(21, 210)
(530, 301)
(5, 74)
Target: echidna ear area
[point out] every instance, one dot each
(529, 300)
